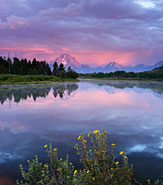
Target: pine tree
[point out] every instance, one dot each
(61, 67)
(55, 69)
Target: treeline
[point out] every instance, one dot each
(155, 74)
(34, 67)
(24, 67)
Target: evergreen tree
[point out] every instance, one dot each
(9, 65)
(3, 68)
(69, 70)
(61, 71)
(61, 67)
(16, 67)
(48, 70)
(55, 68)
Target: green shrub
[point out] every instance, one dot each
(100, 166)
(4, 77)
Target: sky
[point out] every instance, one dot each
(96, 32)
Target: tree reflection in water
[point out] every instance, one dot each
(23, 92)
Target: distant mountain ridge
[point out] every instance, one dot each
(71, 61)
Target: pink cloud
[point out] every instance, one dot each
(28, 50)
(102, 57)
(90, 57)
(94, 31)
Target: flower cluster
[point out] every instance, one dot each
(100, 165)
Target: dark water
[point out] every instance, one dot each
(34, 115)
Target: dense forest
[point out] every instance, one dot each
(154, 74)
(34, 67)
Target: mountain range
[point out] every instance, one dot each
(71, 61)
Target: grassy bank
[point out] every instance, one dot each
(10, 79)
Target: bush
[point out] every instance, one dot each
(100, 166)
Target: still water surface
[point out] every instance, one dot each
(34, 115)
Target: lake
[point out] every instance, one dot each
(38, 114)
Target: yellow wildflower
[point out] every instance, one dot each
(90, 150)
(87, 171)
(113, 144)
(45, 146)
(103, 151)
(125, 157)
(79, 137)
(55, 149)
(84, 140)
(93, 178)
(43, 175)
(60, 159)
(46, 165)
(105, 132)
(96, 131)
(117, 162)
(75, 172)
(89, 134)
(121, 153)
(148, 180)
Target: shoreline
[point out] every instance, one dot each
(35, 82)
(32, 79)
(120, 79)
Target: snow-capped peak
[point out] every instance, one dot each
(67, 60)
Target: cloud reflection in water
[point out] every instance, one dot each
(32, 116)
